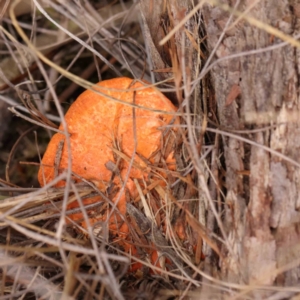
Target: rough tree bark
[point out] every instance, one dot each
(262, 213)
(255, 91)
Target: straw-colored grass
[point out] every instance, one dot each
(50, 52)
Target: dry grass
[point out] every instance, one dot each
(38, 248)
(50, 51)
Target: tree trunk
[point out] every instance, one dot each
(256, 92)
(262, 209)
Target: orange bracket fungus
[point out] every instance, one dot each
(105, 135)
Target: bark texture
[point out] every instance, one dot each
(158, 19)
(261, 211)
(257, 91)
